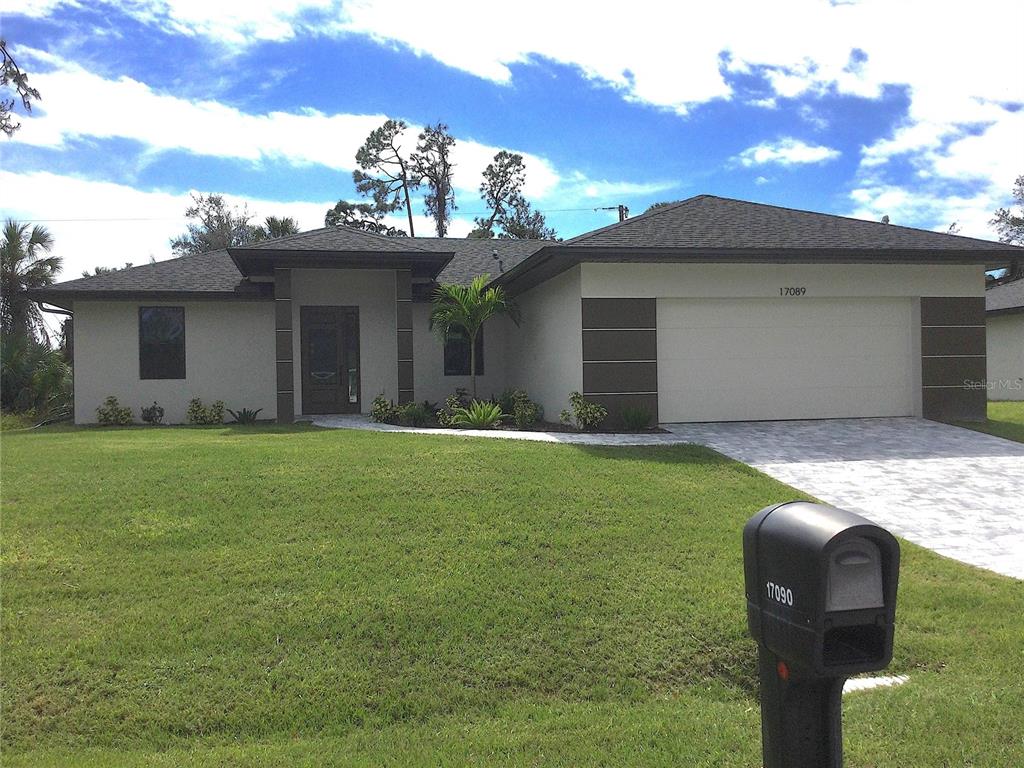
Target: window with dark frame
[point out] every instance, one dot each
(161, 342)
(456, 353)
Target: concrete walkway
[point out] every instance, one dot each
(955, 491)
(346, 421)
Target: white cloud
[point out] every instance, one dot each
(911, 207)
(98, 223)
(786, 151)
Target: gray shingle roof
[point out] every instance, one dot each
(216, 273)
(711, 222)
(1005, 297)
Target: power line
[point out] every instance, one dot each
(185, 218)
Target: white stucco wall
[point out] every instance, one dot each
(545, 354)
(1004, 343)
(429, 380)
(229, 356)
(765, 280)
(373, 292)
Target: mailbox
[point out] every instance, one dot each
(821, 604)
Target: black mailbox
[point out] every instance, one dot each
(821, 604)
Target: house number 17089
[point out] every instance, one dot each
(796, 290)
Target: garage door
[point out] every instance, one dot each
(762, 359)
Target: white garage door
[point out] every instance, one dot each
(799, 358)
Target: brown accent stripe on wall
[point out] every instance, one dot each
(283, 345)
(620, 355)
(403, 314)
(953, 358)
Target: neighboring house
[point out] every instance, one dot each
(707, 310)
(1004, 345)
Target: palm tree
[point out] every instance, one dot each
(23, 267)
(466, 307)
(274, 227)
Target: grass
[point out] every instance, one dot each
(1005, 419)
(273, 595)
(13, 421)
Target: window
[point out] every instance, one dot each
(161, 342)
(456, 353)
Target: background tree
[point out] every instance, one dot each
(362, 216)
(217, 225)
(466, 308)
(12, 76)
(502, 185)
(1009, 224)
(661, 204)
(274, 227)
(433, 167)
(521, 222)
(105, 270)
(25, 266)
(382, 154)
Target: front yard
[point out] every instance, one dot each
(1005, 419)
(289, 596)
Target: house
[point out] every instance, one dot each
(710, 309)
(1004, 340)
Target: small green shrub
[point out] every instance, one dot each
(636, 418)
(112, 412)
(153, 414)
(479, 414)
(413, 414)
(587, 415)
(524, 411)
(245, 416)
(382, 410)
(565, 416)
(459, 400)
(200, 414)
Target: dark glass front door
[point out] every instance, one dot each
(330, 359)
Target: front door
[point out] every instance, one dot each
(330, 359)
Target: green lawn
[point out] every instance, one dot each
(1005, 419)
(289, 596)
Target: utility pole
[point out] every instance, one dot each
(622, 209)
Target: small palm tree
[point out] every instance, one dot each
(466, 307)
(23, 267)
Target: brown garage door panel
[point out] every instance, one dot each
(616, 404)
(952, 310)
(945, 340)
(954, 404)
(619, 313)
(620, 377)
(620, 345)
(951, 371)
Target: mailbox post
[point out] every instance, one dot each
(821, 604)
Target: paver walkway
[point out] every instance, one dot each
(955, 491)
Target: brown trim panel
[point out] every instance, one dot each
(953, 358)
(284, 344)
(620, 355)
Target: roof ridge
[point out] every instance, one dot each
(645, 215)
(849, 218)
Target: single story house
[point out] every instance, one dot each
(710, 309)
(1004, 340)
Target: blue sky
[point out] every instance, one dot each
(858, 108)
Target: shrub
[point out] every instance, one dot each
(565, 416)
(524, 411)
(245, 416)
(636, 418)
(153, 414)
(382, 410)
(479, 414)
(201, 414)
(413, 414)
(112, 412)
(587, 415)
(452, 403)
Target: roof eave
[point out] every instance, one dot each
(263, 261)
(555, 259)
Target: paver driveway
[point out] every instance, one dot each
(958, 492)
